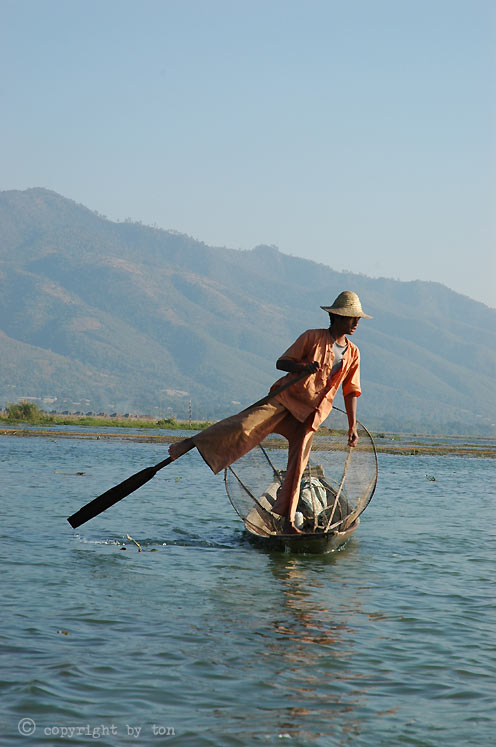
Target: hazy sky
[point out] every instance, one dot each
(360, 134)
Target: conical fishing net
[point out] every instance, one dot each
(335, 489)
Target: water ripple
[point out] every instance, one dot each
(389, 641)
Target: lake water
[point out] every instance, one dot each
(204, 639)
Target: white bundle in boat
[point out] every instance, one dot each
(312, 502)
(313, 498)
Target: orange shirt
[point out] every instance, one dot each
(316, 393)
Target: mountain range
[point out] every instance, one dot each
(97, 315)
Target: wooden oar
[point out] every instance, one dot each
(107, 499)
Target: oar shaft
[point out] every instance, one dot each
(107, 499)
(115, 494)
(281, 389)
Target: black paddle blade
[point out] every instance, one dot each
(107, 499)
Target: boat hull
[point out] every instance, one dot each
(312, 543)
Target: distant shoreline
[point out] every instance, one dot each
(404, 445)
(96, 421)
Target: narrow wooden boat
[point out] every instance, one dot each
(266, 529)
(315, 544)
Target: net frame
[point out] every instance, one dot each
(273, 523)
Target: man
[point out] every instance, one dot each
(330, 360)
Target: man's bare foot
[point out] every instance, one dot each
(293, 529)
(283, 525)
(178, 448)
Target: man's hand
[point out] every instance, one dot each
(310, 367)
(352, 436)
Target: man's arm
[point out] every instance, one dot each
(350, 404)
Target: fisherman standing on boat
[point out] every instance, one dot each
(331, 361)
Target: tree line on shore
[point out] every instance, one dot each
(31, 413)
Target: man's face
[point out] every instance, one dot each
(353, 323)
(346, 325)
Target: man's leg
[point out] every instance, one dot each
(224, 442)
(300, 438)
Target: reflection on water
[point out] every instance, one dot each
(315, 641)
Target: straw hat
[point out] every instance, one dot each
(347, 304)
